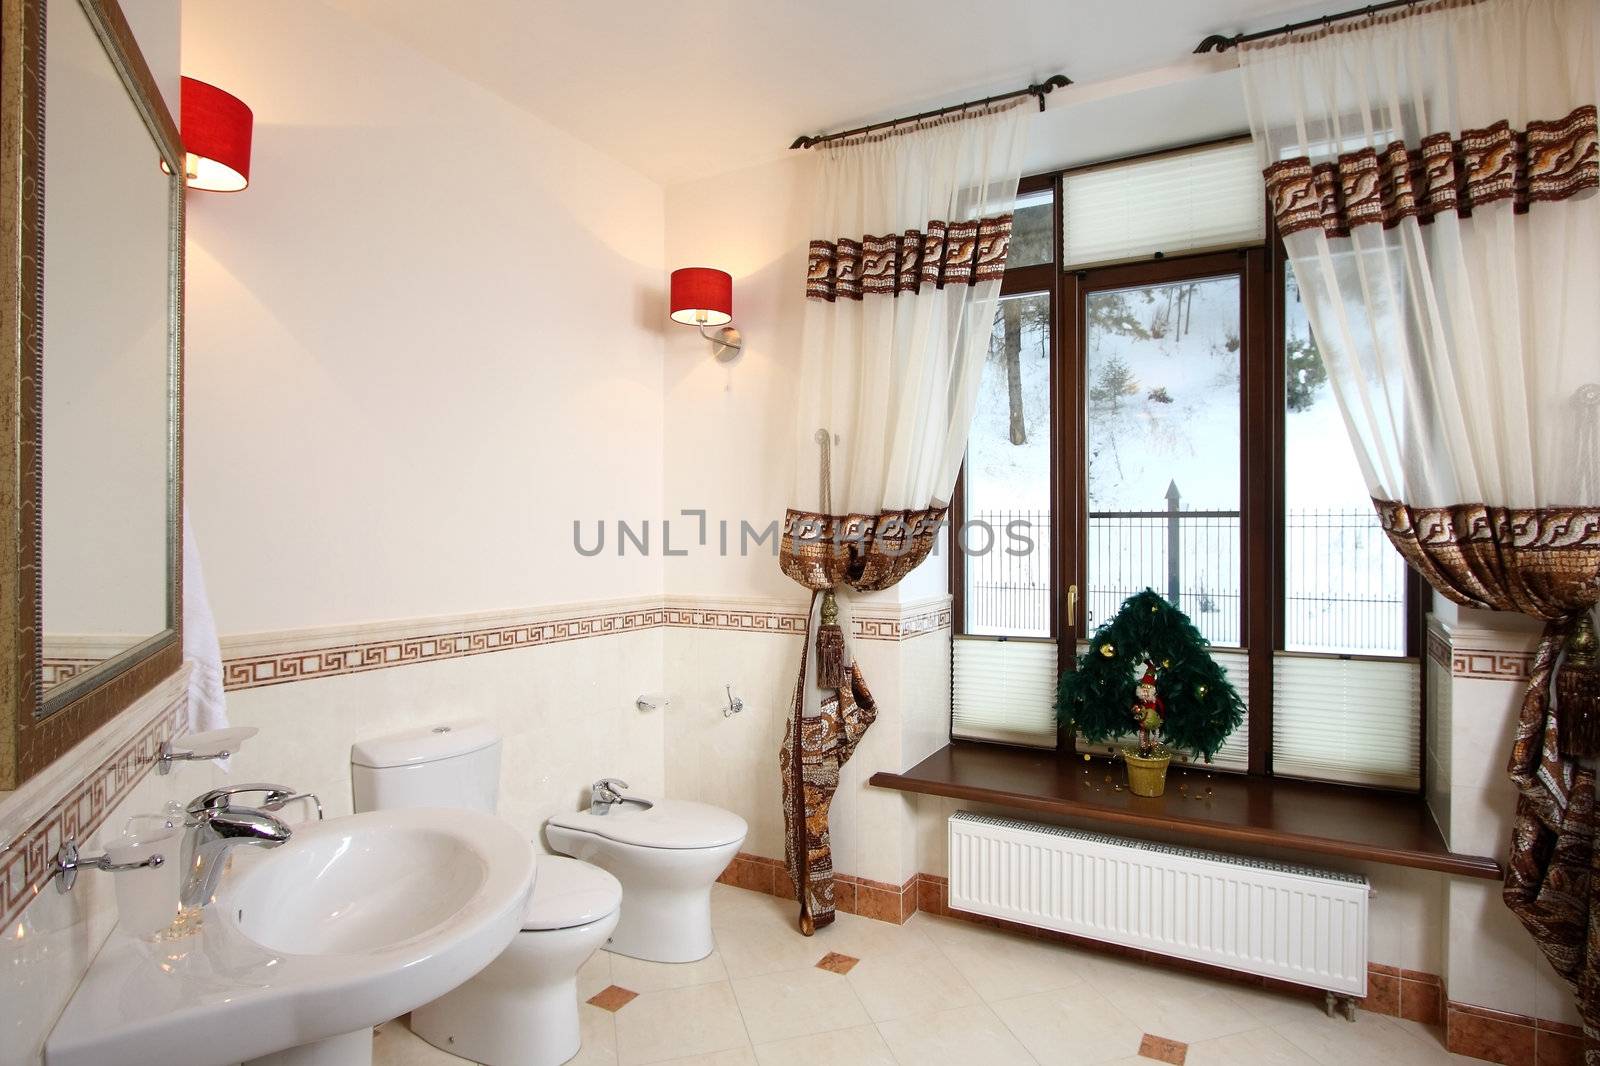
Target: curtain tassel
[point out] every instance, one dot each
(830, 645)
(1578, 691)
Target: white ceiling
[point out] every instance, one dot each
(681, 89)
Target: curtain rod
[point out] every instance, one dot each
(1055, 81)
(1221, 43)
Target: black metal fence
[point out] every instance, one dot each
(1007, 558)
(1344, 583)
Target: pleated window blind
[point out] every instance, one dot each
(1352, 720)
(1004, 690)
(1179, 204)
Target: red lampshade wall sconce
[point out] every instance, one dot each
(703, 296)
(217, 128)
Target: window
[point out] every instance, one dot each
(1154, 414)
(1006, 506)
(1004, 663)
(1161, 457)
(1347, 701)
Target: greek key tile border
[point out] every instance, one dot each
(1478, 654)
(25, 862)
(759, 621)
(915, 624)
(284, 658)
(278, 668)
(1490, 664)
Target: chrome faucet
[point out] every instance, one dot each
(216, 828)
(605, 794)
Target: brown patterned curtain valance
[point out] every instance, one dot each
(1543, 562)
(1547, 161)
(868, 553)
(940, 254)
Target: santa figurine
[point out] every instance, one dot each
(1148, 710)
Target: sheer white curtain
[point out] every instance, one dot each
(1458, 338)
(910, 232)
(1433, 173)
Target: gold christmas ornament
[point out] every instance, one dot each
(1108, 651)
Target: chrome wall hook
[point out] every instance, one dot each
(735, 704)
(68, 862)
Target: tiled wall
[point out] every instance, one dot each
(49, 938)
(732, 762)
(1498, 981)
(565, 708)
(561, 683)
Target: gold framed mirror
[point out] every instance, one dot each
(91, 462)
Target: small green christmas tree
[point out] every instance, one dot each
(1199, 707)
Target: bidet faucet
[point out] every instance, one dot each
(215, 827)
(605, 794)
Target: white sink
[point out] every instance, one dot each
(354, 921)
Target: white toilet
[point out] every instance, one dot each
(667, 854)
(522, 1010)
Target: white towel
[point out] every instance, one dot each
(208, 707)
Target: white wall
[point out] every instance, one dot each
(422, 343)
(729, 445)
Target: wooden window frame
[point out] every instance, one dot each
(1261, 269)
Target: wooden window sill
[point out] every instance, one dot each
(1357, 823)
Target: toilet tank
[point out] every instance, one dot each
(449, 764)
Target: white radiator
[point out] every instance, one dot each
(1278, 920)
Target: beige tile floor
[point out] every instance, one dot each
(932, 992)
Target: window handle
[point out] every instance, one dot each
(1072, 606)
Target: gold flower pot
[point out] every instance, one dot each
(1147, 774)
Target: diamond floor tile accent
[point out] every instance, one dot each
(1163, 1050)
(837, 963)
(614, 997)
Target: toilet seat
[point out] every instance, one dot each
(676, 825)
(568, 893)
